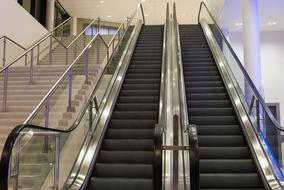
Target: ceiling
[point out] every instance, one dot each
(118, 10)
(270, 11)
(187, 10)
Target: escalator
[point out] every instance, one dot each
(125, 158)
(225, 160)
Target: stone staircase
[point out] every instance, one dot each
(36, 159)
(23, 96)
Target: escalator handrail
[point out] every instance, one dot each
(247, 77)
(190, 129)
(63, 9)
(8, 149)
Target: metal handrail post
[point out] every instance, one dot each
(32, 66)
(26, 59)
(87, 67)
(67, 56)
(38, 48)
(99, 25)
(75, 48)
(4, 51)
(50, 51)
(56, 162)
(46, 114)
(98, 53)
(4, 107)
(70, 90)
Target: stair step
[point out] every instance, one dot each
(120, 183)
(124, 170)
(227, 180)
(123, 157)
(227, 166)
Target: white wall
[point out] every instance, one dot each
(18, 24)
(272, 63)
(215, 7)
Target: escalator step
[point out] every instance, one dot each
(139, 92)
(129, 124)
(227, 166)
(219, 130)
(124, 170)
(134, 115)
(209, 104)
(211, 111)
(130, 134)
(214, 120)
(221, 141)
(120, 183)
(138, 99)
(127, 144)
(138, 157)
(207, 96)
(224, 152)
(136, 107)
(228, 180)
(205, 89)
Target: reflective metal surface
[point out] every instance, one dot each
(255, 143)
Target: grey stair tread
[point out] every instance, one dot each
(124, 170)
(120, 183)
(224, 152)
(145, 157)
(228, 180)
(227, 166)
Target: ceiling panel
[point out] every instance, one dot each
(118, 10)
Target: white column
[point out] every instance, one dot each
(50, 14)
(74, 26)
(251, 33)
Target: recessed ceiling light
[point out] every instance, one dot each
(108, 16)
(238, 23)
(101, 2)
(143, 0)
(272, 23)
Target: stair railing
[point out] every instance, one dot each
(53, 137)
(42, 48)
(260, 125)
(33, 54)
(6, 40)
(68, 73)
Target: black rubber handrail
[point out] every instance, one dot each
(8, 149)
(247, 77)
